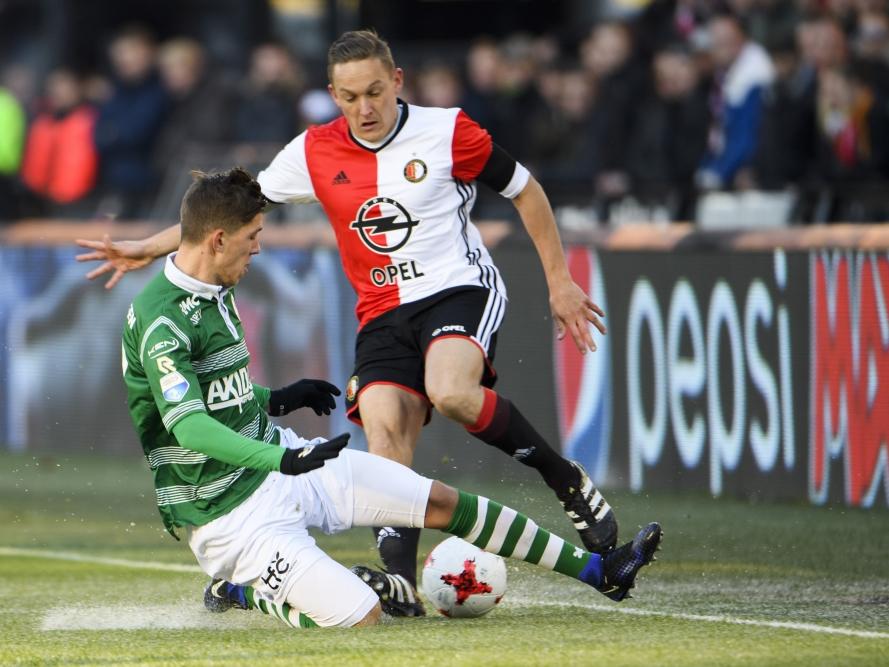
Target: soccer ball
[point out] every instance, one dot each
(461, 580)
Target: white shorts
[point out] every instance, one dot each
(264, 542)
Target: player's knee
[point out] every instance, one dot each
(393, 449)
(451, 400)
(371, 618)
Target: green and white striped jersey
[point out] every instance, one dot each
(184, 352)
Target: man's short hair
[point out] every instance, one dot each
(358, 45)
(226, 200)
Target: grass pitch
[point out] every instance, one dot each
(88, 576)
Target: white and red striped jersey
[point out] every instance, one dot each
(400, 211)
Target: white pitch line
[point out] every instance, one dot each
(98, 560)
(706, 618)
(631, 611)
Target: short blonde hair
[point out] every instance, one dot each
(358, 45)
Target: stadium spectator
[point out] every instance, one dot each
(265, 105)
(509, 86)
(871, 44)
(828, 45)
(13, 125)
(560, 137)
(427, 330)
(844, 12)
(743, 71)
(671, 136)
(128, 125)
(784, 152)
(621, 81)
(60, 163)
(484, 64)
(853, 143)
(438, 85)
(872, 36)
(517, 97)
(200, 104)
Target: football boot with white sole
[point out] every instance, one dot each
(397, 596)
(590, 513)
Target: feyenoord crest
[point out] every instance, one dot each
(352, 389)
(415, 171)
(389, 228)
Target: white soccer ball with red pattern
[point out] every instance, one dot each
(461, 580)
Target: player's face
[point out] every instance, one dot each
(366, 91)
(237, 249)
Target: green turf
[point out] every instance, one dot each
(773, 563)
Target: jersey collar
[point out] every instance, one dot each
(185, 282)
(203, 290)
(402, 119)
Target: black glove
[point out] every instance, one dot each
(311, 457)
(315, 394)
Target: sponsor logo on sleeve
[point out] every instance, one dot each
(166, 365)
(174, 386)
(163, 347)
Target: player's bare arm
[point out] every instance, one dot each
(572, 308)
(124, 256)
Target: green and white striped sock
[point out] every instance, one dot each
(283, 611)
(505, 532)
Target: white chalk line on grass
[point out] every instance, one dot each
(517, 600)
(132, 617)
(98, 560)
(709, 618)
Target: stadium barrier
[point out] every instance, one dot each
(750, 364)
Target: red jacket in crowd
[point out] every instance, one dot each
(60, 160)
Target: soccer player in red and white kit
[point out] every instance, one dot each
(397, 182)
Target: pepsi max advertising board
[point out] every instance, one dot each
(762, 375)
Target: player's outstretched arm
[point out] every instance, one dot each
(123, 256)
(201, 433)
(573, 310)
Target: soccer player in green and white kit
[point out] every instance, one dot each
(246, 491)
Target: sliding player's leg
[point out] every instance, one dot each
(263, 545)
(326, 594)
(395, 495)
(359, 489)
(504, 531)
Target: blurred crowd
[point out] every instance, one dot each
(652, 110)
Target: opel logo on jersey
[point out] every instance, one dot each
(387, 231)
(415, 171)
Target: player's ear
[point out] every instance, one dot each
(398, 78)
(332, 91)
(218, 240)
